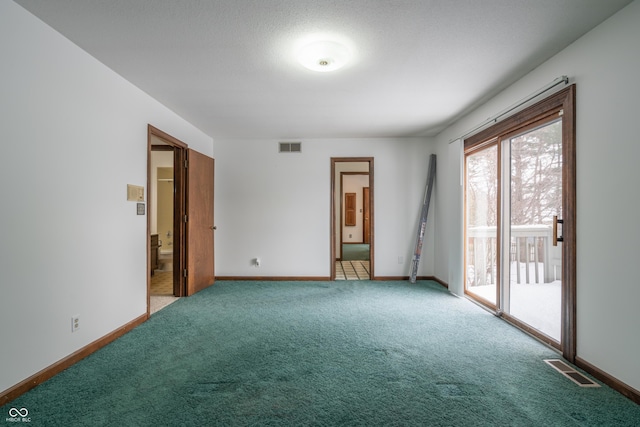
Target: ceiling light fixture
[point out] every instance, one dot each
(323, 56)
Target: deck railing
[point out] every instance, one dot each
(532, 257)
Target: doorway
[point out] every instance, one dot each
(352, 232)
(166, 205)
(179, 219)
(162, 215)
(520, 220)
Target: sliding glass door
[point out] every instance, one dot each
(532, 292)
(520, 220)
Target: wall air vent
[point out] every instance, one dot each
(572, 374)
(290, 147)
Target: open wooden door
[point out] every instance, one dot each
(366, 224)
(200, 228)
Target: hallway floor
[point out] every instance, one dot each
(161, 290)
(352, 270)
(162, 283)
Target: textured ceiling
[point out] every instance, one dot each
(227, 66)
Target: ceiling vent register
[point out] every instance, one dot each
(290, 147)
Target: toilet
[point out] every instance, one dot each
(165, 259)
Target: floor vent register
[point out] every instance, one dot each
(571, 373)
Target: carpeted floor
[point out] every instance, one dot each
(348, 353)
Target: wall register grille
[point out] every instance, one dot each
(290, 147)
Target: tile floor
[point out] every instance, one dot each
(158, 302)
(352, 270)
(162, 283)
(161, 290)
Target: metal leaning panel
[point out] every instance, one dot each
(423, 219)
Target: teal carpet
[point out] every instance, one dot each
(355, 252)
(322, 354)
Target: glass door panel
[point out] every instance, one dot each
(481, 247)
(533, 289)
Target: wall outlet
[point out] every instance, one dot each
(75, 323)
(350, 236)
(400, 259)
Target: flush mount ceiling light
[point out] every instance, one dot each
(323, 56)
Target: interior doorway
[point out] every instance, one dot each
(162, 216)
(166, 205)
(180, 243)
(352, 213)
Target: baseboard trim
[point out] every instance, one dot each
(50, 371)
(609, 380)
(276, 278)
(321, 279)
(402, 278)
(440, 282)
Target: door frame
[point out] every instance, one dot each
(179, 253)
(564, 101)
(332, 207)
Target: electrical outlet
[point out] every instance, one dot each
(400, 259)
(75, 323)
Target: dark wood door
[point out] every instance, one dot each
(200, 261)
(350, 209)
(366, 224)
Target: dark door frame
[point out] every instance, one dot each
(332, 205)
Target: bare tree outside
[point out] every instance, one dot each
(536, 175)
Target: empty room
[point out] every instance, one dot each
(368, 212)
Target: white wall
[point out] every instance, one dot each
(277, 206)
(604, 65)
(74, 134)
